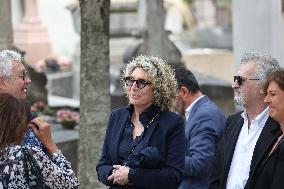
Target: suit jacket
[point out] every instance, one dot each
(166, 134)
(226, 148)
(269, 175)
(202, 132)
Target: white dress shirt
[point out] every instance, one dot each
(189, 108)
(240, 165)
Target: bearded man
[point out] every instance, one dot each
(249, 134)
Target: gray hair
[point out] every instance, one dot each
(6, 59)
(265, 65)
(160, 74)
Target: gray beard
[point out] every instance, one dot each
(239, 99)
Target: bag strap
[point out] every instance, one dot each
(28, 159)
(26, 169)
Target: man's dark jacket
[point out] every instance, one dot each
(226, 147)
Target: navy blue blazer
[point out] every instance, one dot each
(165, 133)
(202, 132)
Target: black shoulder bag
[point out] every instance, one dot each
(31, 168)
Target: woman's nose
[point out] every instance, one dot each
(266, 99)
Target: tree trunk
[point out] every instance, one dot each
(94, 87)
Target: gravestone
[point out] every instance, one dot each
(60, 83)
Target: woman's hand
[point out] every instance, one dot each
(43, 133)
(119, 175)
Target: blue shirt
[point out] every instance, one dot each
(127, 144)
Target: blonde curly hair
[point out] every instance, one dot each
(160, 74)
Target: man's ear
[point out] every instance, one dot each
(183, 91)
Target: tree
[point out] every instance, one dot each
(94, 87)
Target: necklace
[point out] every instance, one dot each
(279, 140)
(152, 120)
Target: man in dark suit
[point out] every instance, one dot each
(249, 134)
(204, 125)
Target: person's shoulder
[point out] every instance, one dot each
(209, 110)
(120, 111)
(31, 139)
(168, 115)
(236, 115)
(209, 105)
(234, 120)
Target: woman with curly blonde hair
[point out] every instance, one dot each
(144, 142)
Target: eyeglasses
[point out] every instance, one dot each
(140, 83)
(24, 76)
(239, 79)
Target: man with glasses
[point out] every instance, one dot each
(249, 134)
(14, 80)
(204, 125)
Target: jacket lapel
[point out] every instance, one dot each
(152, 127)
(117, 136)
(267, 138)
(234, 129)
(191, 116)
(197, 105)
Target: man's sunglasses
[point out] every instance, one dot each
(240, 79)
(140, 83)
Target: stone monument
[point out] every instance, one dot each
(31, 35)
(155, 38)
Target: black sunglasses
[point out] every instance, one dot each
(239, 79)
(140, 83)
